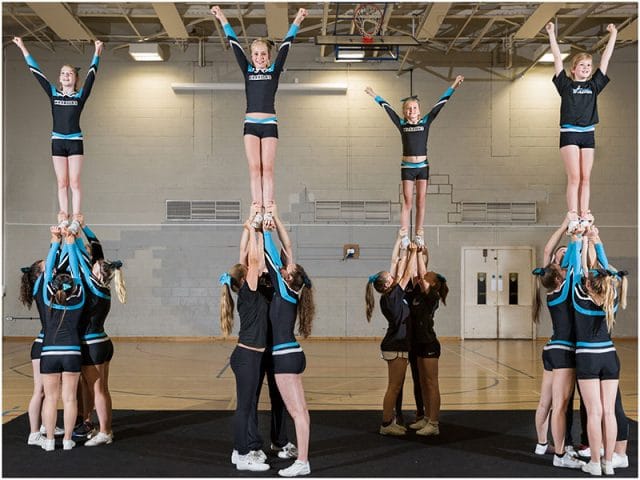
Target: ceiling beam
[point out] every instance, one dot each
(629, 33)
(277, 19)
(433, 20)
(323, 30)
(385, 23)
(462, 28)
(61, 21)
(538, 19)
(171, 20)
(569, 30)
(482, 33)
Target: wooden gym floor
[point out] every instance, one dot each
(340, 375)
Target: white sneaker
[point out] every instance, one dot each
(288, 451)
(541, 448)
(234, 456)
(607, 467)
(418, 424)
(297, 469)
(35, 438)
(619, 461)
(57, 432)
(419, 241)
(257, 220)
(250, 462)
(392, 429)
(404, 241)
(429, 429)
(99, 439)
(567, 461)
(74, 227)
(259, 455)
(592, 468)
(68, 444)
(571, 451)
(48, 445)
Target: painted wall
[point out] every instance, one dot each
(494, 141)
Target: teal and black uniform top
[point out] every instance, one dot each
(560, 302)
(283, 309)
(98, 296)
(414, 136)
(578, 107)
(65, 109)
(395, 309)
(261, 84)
(591, 325)
(61, 322)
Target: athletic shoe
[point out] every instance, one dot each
(234, 456)
(63, 223)
(404, 241)
(288, 451)
(82, 430)
(48, 445)
(619, 461)
(418, 424)
(392, 429)
(585, 451)
(429, 429)
(250, 462)
(567, 461)
(607, 467)
(569, 450)
(592, 468)
(68, 444)
(541, 448)
(35, 438)
(259, 455)
(74, 227)
(257, 221)
(57, 432)
(297, 469)
(99, 439)
(419, 241)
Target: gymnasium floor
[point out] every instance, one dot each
(340, 375)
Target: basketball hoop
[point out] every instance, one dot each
(367, 19)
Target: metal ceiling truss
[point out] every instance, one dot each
(467, 34)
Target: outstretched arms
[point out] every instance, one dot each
(553, 241)
(555, 48)
(231, 37)
(608, 51)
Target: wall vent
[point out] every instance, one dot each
(203, 210)
(348, 210)
(499, 212)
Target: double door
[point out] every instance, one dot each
(497, 292)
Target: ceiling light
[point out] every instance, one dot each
(565, 51)
(146, 52)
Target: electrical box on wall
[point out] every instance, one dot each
(351, 250)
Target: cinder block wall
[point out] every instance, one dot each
(145, 144)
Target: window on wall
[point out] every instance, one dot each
(203, 210)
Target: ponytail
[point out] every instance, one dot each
(28, 280)
(226, 310)
(306, 311)
(376, 281)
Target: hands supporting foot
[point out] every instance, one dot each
(259, 221)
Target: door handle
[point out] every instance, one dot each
(493, 283)
(500, 283)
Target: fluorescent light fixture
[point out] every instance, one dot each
(565, 51)
(349, 54)
(146, 52)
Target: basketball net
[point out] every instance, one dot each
(367, 19)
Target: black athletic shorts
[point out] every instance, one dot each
(36, 349)
(426, 350)
(555, 358)
(60, 363)
(294, 362)
(581, 139)
(412, 174)
(603, 366)
(97, 353)
(66, 148)
(261, 130)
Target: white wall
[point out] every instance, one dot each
(495, 140)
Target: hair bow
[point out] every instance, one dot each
(622, 273)
(373, 278)
(411, 97)
(225, 279)
(66, 286)
(539, 271)
(306, 281)
(25, 269)
(441, 278)
(116, 263)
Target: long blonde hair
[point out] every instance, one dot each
(237, 274)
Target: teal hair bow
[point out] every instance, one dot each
(225, 278)
(373, 278)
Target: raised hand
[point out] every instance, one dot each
(550, 28)
(300, 16)
(611, 28)
(369, 91)
(99, 46)
(458, 81)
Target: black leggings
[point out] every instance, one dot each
(278, 430)
(245, 364)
